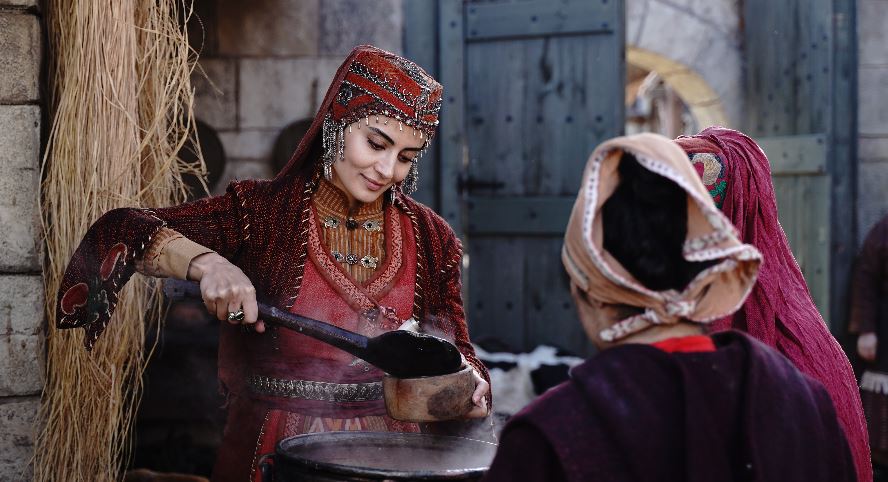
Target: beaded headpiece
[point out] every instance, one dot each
(379, 83)
(711, 170)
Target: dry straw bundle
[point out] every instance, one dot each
(121, 109)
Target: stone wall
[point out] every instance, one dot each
(268, 63)
(872, 28)
(21, 285)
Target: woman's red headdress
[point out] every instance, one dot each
(370, 82)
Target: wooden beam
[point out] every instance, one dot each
(451, 131)
(843, 161)
(792, 155)
(420, 44)
(535, 19)
(526, 216)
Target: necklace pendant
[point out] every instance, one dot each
(373, 226)
(369, 262)
(331, 223)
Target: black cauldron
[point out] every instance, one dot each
(375, 456)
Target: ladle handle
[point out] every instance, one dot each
(346, 340)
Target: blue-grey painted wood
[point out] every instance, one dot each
(806, 154)
(802, 187)
(527, 216)
(843, 162)
(497, 280)
(535, 108)
(803, 203)
(801, 80)
(548, 306)
(451, 130)
(420, 42)
(788, 47)
(539, 19)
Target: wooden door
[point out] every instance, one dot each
(801, 104)
(531, 88)
(802, 186)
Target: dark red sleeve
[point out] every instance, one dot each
(867, 280)
(524, 454)
(106, 257)
(451, 315)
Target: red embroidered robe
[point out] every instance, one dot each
(268, 229)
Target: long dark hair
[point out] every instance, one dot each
(645, 224)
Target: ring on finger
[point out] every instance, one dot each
(236, 315)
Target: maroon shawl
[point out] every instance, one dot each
(780, 311)
(634, 413)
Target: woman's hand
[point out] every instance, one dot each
(866, 346)
(225, 289)
(482, 388)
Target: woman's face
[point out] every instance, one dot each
(376, 156)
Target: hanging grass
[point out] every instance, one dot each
(120, 104)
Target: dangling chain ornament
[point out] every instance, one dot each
(380, 84)
(333, 140)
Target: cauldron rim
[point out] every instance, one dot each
(282, 457)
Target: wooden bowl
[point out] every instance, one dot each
(429, 399)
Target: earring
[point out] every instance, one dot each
(333, 141)
(409, 185)
(328, 140)
(393, 193)
(341, 143)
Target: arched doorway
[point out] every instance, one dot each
(665, 96)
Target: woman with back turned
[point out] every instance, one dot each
(651, 261)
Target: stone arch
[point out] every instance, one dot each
(695, 46)
(702, 101)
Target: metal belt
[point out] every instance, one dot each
(312, 390)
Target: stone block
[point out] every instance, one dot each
(21, 306)
(275, 92)
(17, 431)
(249, 144)
(872, 32)
(873, 109)
(268, 27)
(20, 136)
(326, 68)
(872, 205)
(19, 181)
(346, 23)
(870, 149)
(20, 365)
(19, 57)
(215, 92)
(18, 3)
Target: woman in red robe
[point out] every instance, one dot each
(335, 236)
(779, 311)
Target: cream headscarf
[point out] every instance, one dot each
(715, 292)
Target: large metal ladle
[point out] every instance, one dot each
(400, 353)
